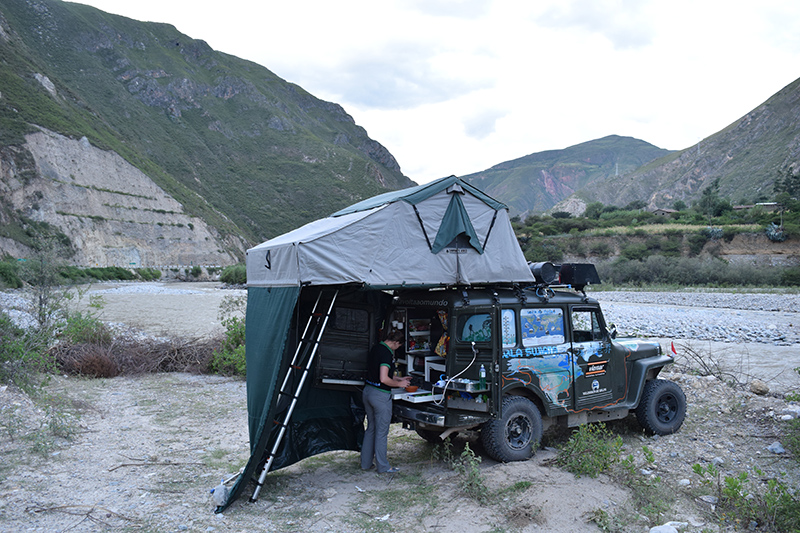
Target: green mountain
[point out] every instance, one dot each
(234, 144)
(537, 182)
(747, 157)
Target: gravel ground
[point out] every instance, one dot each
(767, 318)
(142, 452)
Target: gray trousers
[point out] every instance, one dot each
(378, 405)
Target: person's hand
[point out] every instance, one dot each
(405, 381)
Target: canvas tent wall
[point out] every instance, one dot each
(445, 233)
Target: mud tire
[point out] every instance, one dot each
(516, 435)
(662, 408)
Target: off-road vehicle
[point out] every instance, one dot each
(510, 361)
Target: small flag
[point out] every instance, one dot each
(672, 347)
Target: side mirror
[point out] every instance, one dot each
(612, 331)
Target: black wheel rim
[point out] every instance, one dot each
(518, 432)
(667, 408)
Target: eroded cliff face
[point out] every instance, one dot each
(113, 213)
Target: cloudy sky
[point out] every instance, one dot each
(456, 86)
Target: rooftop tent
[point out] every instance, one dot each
(443, 233)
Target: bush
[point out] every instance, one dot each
(691, 271)
(600, 249)
(696, 243)
(148, 274)
(23, 358)
(229, 359)
(9, 276)
(791, 276)
(591, 450)
(234, 275)
(635, 251)
(85, 328)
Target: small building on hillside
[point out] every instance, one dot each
(663, 212)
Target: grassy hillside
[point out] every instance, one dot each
(537, 182)
(204, 125)
(747, 158)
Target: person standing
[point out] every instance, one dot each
(378, 402)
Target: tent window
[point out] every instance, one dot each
(348, 319)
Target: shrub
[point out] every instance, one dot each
(696, 243)
(148, 274)
(229, 359)
(85, 328)
(591, 450)
(234, 275)
(9, 276)
(775, 506)
(600, 249)
(635, 251)
(23, 357)
(791, 276)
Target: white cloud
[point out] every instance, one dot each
(456, 86)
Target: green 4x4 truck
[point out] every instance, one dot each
(511, 361)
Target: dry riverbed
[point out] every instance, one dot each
(141, 454)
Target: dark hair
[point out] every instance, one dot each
(396, 336)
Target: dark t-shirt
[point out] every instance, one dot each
(380, 355)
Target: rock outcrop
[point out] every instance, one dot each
(113, 213)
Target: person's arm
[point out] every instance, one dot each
(393, 382)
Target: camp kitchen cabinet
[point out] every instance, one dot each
(424, 331)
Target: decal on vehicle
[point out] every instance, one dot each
(542, 326)
(551, 373)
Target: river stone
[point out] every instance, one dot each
(759, 387)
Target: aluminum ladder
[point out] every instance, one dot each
(301, 362)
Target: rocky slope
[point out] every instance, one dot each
(747, 157)
(537, 182)
(114, 214)
(237, 146)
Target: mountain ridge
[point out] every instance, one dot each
(538, 181)
(235, 144)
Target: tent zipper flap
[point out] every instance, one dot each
(421, 225)
(486, 240)
(301, 362)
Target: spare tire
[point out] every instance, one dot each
(516, 434)
(662, 408)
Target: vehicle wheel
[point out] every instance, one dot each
(516, 434)
(662, 407)
(430, 435)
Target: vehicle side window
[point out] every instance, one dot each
(475, 328)
(541, 327)
(585, 326)
(508, 318)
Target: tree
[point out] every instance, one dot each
(679, 205)
(711, 204)
(788, 181)
(593, 210)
